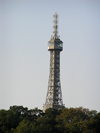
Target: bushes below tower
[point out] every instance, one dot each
(19, 119)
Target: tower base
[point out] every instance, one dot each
(55, 106)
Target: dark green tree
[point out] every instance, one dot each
(47, 122)
(19, 119)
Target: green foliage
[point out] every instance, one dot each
(25, 126)
(19, 119)
(47, 123)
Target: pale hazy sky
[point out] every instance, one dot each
(25, 29)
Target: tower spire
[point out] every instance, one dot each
(55, 26)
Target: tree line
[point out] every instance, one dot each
(19, 119)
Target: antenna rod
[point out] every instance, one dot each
(55, 25)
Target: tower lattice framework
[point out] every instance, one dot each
(54, 94)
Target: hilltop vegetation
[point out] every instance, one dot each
(19, 119)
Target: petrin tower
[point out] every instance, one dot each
(54, 94)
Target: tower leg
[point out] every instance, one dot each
(54, 95)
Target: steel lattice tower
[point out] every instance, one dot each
(54, 94)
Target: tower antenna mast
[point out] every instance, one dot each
(55, 25)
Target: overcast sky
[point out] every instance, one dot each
(25, 28)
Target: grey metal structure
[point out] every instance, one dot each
(54, 94)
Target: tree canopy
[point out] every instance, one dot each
(19, 119)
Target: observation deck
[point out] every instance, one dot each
(55, 44)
